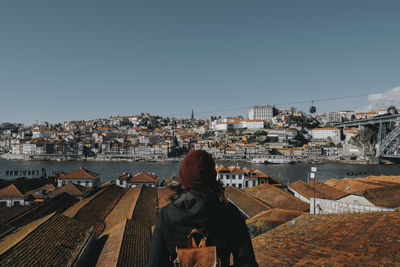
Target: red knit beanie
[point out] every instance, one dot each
(197, 171)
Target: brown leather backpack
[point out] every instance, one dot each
(197, 255)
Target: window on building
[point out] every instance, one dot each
(87, 183)
(240, 185)
(17, 203)
(234, 185)
(3, 203)
(233, 177)
(79, 183)
(7, 173)
(246, 183)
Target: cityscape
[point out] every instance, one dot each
(267, 135)
(257, 133)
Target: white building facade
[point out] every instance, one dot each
(326, 133)
(261, 113)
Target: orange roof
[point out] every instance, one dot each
(163, 196)
(350, 185)
(269, 219)
(222, 168)
(72, 189)
(234, 169)
(80, 173)
(250, 205)
(362, 239)
(143, 177)
(10, 191)
(306, 190)
(277, 198)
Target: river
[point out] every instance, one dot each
(111, 169)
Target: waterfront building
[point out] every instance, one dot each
(20, 192)
(326, 133)
(82, 177)
(264, 113)
(128, 180)
(236, 177)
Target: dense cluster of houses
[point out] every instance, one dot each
(267, 130)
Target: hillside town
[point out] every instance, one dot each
(266, 135)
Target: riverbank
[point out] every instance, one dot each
(123, 158)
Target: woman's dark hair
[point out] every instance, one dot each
(178, 190)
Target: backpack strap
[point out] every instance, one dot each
(192, 241)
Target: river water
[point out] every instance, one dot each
(284, 173)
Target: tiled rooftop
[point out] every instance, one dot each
(110, 251)
(124, 208)
(163, 194)
(270, 219)
(80, 173)
(72, 189)
(277, 198)
(59, 204)
(329, 191)
(6, 213)
(351, 185)
(363, 239)
(56, 242)
(135, 244)
(143, 177)
(71, 212)
(248, 204)
(94, 212)
(145, 208)
(384, 196)
(306, 190)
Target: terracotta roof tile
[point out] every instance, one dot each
(221, 168)
(248, 204)
(163, 196)
(350, 185)
(71, 212)
(329, 191)
(72, 189)
(10, 191)
(135, 244)
(94, 212)
(277, 198)
(59, 203)
(124, 208)
(306, 190)
(145, 208)
(384, 196)
(270, 219)
(57, 236)
(110, 252)
(7, 213)
(80, 173)
(363, 239)
(143, 177)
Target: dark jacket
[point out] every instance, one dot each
(223, 224)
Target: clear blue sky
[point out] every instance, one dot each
(65, 60)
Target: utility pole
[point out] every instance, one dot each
(312, 176)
